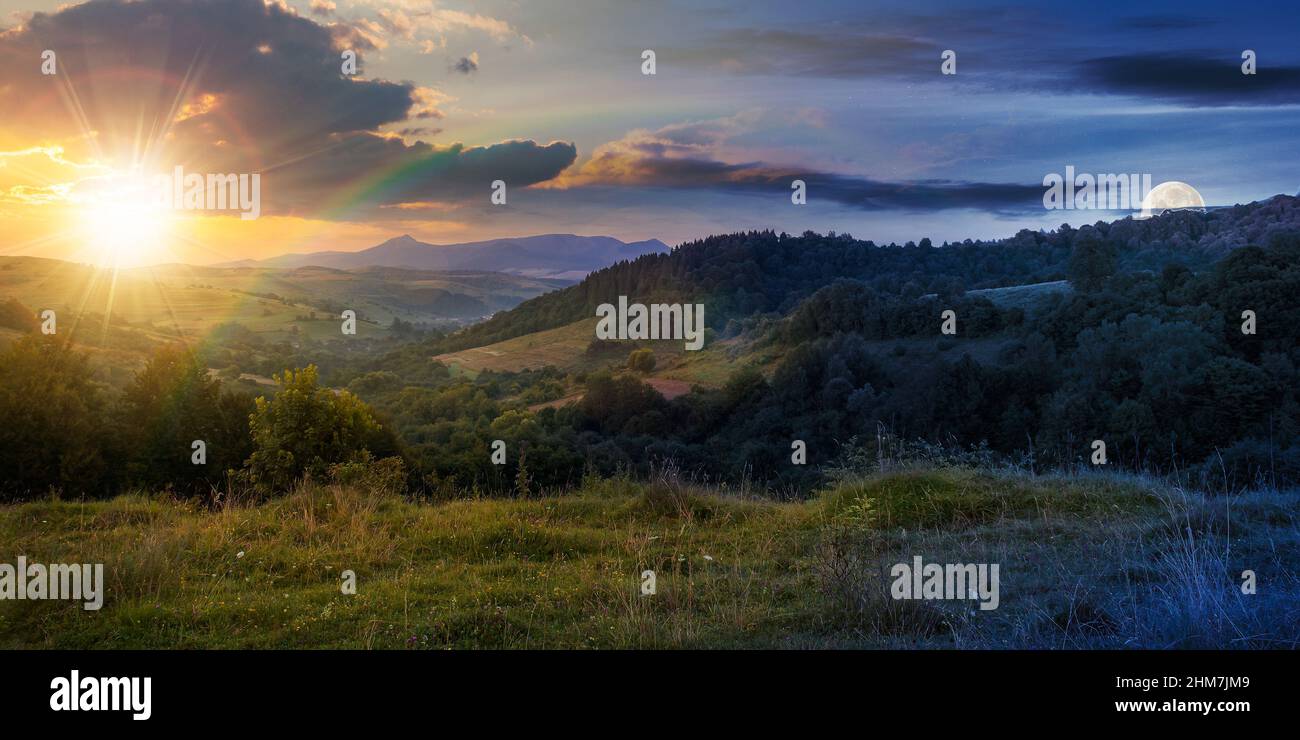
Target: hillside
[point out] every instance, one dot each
(1138, 335)
(560, 256)
(571, 347)
(194, 298)
(738, 275)
(119, 317)
(1084, 562)
(1185, 369)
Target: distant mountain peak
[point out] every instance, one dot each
(403, 239)
(566, 256)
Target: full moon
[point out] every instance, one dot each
(1171, 195)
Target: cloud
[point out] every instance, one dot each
(442, 21)
(365, 171)
(1189, 79)
(687, 156)
(466, 65)
(422, 24)
(867, 44)
(623, 160)
(428, 102)
(821, 53)
(239, 86)
(125, 63)
(41, 175)
(412, 132)
(1002, 51)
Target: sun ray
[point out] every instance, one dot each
(108, 308)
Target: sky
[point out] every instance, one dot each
(551, 99)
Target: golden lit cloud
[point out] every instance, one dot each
(199, 106)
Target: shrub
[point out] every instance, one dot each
(306, 428)
(386, 476)
(641, 360)
(15, 315)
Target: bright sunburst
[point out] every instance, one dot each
(124, 226)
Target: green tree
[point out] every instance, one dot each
(169, 405)
(611, 402)
(52, 412)
(1092, 261)
(305, 428)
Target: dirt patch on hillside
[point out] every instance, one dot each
(669, 388)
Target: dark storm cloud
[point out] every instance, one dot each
(1189, 79)
(372, 170)
(856, 192)
(273, 75)
(924, 195)
(237, 86)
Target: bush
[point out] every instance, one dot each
(15, 315)
(306, 428)
(1249, 463)
(641, 360)
(386, 476)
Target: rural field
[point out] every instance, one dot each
(1086, 562)
(570, 348)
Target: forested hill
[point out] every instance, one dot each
(737, 275)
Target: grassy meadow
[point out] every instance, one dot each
(1094, 561)
(568, 348)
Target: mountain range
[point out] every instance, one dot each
(556, 256)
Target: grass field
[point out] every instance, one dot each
(1023, 296)
(566, 348)
(563, 347)
(1085, 562)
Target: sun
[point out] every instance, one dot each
(124, 227)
